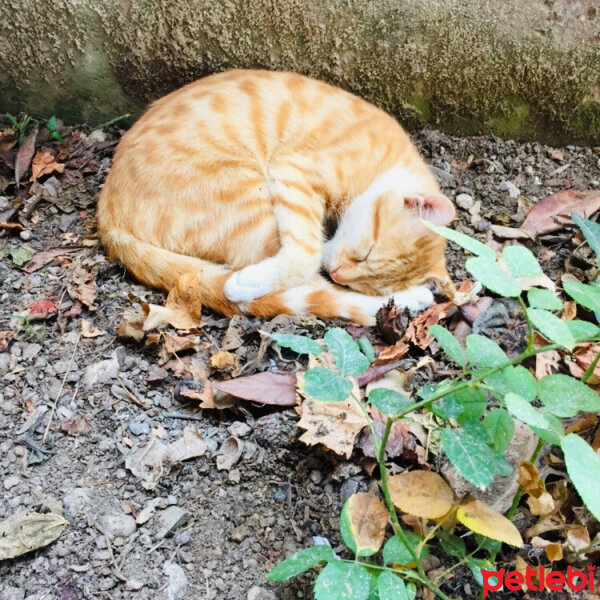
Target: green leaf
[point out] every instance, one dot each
(500, 427)
(476, 564)
(472, 458)
(521, 262)
(539, 298)
(366, 348)
(551, 326)
(525, 412)
(52, 123)
(501, 465)
(348, 358)
(565, 396)
(447, 407)
(389, 402)
(298, 343)
(486, 543)
(474, 427)
(21, 254)
(300, 561)
(391, 587)
(473, 402)
(591, 231)
(586, 295)
(449, 344)
(583, 466)
(553, 433)
(582, 330)
(464, 241)
(452, 544)
(483, 352)
(396, 553)
(489, 273)
(514, 379)
(342, 581)
(325, 385)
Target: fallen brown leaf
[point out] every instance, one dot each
(417, 331)
(8, 140)
(548, 214)
(584, 355)
(392, 353)
(366, 516)
(42, 309)
(41, 259)
(224, 361)
(183, 307)
(76, 425)
(270, 387)
(421, 493)
(89, 331)
(44, 164)
(392, 322)
(25, 155)
(5, 337)
(82, 286)
(132, 329)
(178, 343)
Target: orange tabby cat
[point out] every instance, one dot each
(235, 176)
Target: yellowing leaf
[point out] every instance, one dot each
(44, 164)
(553, 550)
(542, 505)
(529, 479)
(483, 519)
(183, 307)
(363, 522)
(421, 493)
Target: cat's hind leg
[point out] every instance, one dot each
(324, 299)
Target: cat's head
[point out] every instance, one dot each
(382, 246)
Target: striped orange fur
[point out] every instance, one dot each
(235, 176)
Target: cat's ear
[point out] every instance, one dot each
(435, 208)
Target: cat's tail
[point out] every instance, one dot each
(161, 268)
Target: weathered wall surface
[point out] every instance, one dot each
(529, 70)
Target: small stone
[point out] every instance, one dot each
(178, 583)
(280, 496)
(75, 501)
(239, 429)
(529, 170)
(101, 372)
(133, 585)
(464, 201)
(349, 487)
(31, 351)
(482, 225)
(12, 593)
(170, 519)
(139, 427)
(511, 188)
(25, 234)
(11, 481)
(258, 593)
(97, 136)
(118, 524)
(316, 476)
(183, 537)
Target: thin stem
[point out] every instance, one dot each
(520, 492)
(530, 332)
(590, 369)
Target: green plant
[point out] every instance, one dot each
(20, 126)
(52, 129)
(477, 409)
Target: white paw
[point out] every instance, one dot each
(414, 298)
(252, 282)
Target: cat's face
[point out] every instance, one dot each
(382, 246)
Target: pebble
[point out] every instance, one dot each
(133, 585)
(258, 593)
(280, 496)
(139, 427)
(511, 188)
(101, 371)
(11, 481)
(349, 487)
(239, 429)
(316, 476)
(31, 351)
(170, 519)
(25, 234)
(482, 225)
(178, 583)
(76, 500)
(118, 524)
(12, 593)
(464, 201)
(183, 537)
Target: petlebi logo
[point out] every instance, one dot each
(537, 580)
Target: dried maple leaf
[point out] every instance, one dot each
(77, 425)
(417, 331)
(82, 286)
(270, 387)
(552, 212)
(183, 307)
(45, 164)
(333, 424)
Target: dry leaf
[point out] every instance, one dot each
(223, 361)
(8, 140)
(393, 353)
(23, 533)
(183, 307)
(546, 363)
(392, 322)
(421, 493)
(76, 426)
(545, 524)
(89, 331)
(365, 517)
(584, 355)
(270, 387)
(541, 505)
(578, 537)
(509, 233)
(333, 424)
(25, 154)
(178, 343)
(82, 286)
(484, 520)
(543, 281)
(190, 445)
(569, 311)
(550, 213)
(44, 164)
(132, 329)
(5, 337)
(418, 329)
(530, 480)
(41, 259)
(229, 453)
(41, 309)
(201, 391)
(191, 366)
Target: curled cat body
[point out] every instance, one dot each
(236, 176)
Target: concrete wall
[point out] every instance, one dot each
(528, 69)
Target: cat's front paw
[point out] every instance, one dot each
(252, 281)
(415, 298)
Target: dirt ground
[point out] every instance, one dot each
(226, 527)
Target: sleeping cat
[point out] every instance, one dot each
(236, 175)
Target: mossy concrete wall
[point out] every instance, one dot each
(524, 69)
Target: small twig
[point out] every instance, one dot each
(62, 385)
(117, 572)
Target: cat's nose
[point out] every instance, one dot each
(335, 274)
